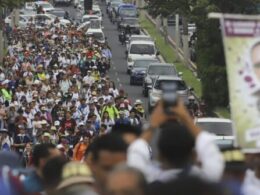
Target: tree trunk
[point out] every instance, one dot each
(185, 40)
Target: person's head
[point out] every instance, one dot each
(128, 132)
(105, 153)
(252, 160)
(121, 114)
(124, 180)
(103, 129)
(86, 139)
(42, 153)
(255, 58)
(175, 145)
(52, 172)
(105, 114)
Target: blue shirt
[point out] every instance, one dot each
(33, 183)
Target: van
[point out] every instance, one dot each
(140, 49)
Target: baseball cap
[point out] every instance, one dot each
(53, 128)
(75, 173)
(138, 102)
(46, 134)
(57, 123)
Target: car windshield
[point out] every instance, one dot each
(143, 63)
(98, 36)
(42, 18)
(59, 14)
(218, 128)
(128, 12)
(142, 49)
(96, 12)
(161, 70)
(180, 84)
(130, 21)
(224, 143)
(115, 4)
(46, 5)
(86, 19)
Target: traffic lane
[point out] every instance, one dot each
(119, 64)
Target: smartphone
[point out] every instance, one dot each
(169, 96)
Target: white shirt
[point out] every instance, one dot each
(251, 184)
(139, 156)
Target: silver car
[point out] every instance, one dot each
(153, 71)
(155, 94)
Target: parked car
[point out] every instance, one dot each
(132, 23)
(139, 69)
(138, 49)
(153, 71)
(155, 94)
(221, 128)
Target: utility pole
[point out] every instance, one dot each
(177, 35)
(185, 39)
(1, 38)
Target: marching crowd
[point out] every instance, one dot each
(66, 129)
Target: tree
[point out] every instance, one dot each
(209, 47)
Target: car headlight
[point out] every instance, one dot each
(134, 72)
(155, 95)
(148, 80)
(130, 60)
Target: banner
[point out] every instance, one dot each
(241, 36)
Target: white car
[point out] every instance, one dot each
(97, 34)
(84, 26)
(46, 6)
(29, 6)
(220, 127)
(140, 49)
(87, 18)
(79, 4)
(138, 38)
(23, 21)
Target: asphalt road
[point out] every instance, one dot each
(118, 69)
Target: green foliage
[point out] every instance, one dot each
(209, 47)
(12, 3)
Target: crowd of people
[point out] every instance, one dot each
(65, 128)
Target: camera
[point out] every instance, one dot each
(169, 96)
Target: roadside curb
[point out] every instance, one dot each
(161, 58)
(193, 66)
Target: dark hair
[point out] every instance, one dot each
(175, 144)
(126, 128)
(52, 171)
(41, 151)
(185, 186)
(108, 142)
